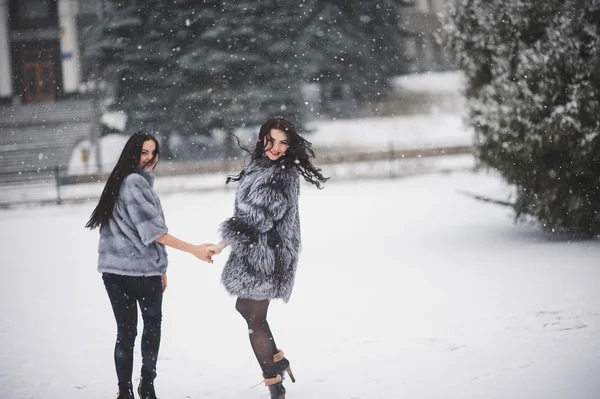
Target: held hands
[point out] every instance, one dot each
(203, 252)
(206, 251)
(216, 249)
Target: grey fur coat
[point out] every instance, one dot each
(264, 233)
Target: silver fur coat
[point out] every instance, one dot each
(264, 233)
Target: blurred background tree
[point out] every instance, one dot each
(134, 48)
(533, 88)
(352, 48)
(193, 66)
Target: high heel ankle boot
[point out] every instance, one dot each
(276, 388)
(283, 366)
(146, 389)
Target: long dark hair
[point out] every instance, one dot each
(128, 162)
(298, 153)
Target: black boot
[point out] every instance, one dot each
(146, 389)
(125, 391)
(276, 388)
(283, 366)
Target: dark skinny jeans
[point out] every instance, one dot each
(125, 292)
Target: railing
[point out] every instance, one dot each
(52, 185)
(41, 186)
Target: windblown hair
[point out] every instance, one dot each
(298, 153)
(128, 162)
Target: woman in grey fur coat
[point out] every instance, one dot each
(133, 260)
(264, 236)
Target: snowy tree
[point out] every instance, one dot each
(192, 66)
(352, 47)
(533, 71)
(134, 48)
(243, 66)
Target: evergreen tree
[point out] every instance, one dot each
(134, 48)
(352, 44)
(533, 89)
(243, 66)
(191, 66)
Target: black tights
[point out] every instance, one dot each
(261, 338)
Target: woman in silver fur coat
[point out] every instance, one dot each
(264, 236)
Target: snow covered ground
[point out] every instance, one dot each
(449, 82)
(398, 132)
(406, 289)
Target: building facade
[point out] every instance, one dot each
(40, 48)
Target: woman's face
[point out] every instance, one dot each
(148, 153)
(276, 143)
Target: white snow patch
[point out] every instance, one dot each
(405, 289)
(431, 82)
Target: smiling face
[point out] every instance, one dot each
(148, 157)
(276, 143)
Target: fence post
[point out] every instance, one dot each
(57, 179)
(392, 160)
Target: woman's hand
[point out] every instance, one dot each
(217, 249)
(163, 279)
(199, 251)
(203, 252)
